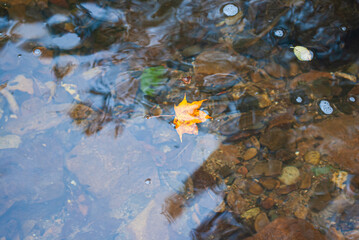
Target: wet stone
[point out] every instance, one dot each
(80, 112)
(276, 70)
(191, 51)
(287, 228)
(275, 138)
(254, 141)
(247, 121)
(218, 82)
(301, 212)
(255, 188)
(285, 189)
(284, 155)
(242, 170)
(236, 202)
(267, 203)
(250, 153)
(225, 171)
(251, 213)
(319, 202)
(344, 132)
(269, 183)
(306, 181)
(216, 62)
(312, 157)
(261, 221)
(290, 175)
(270, 168)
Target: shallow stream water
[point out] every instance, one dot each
(89, 148)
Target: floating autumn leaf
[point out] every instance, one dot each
(187, 115)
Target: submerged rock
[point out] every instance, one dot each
(290, 175)
(286, 228)
(338, 140)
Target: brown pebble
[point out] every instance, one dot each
(267, 203)
(285, 189)
(255, 188)
(242, 170)
(312, 157)
(286, 228)
(301, 212)
(250, 153)
(261, 221)
(276, 70)
(306, 181)
(269, 183)
(270, 168)
(254, 140)
(293, 69)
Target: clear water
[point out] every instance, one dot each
(88, 148)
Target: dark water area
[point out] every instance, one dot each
(96, 141)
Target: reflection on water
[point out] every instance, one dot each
(89, 149)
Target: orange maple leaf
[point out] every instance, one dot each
(187, 115)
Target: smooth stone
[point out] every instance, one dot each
(270, 168)
(255, 188)
(269, 183)
(286, 228)
(191, 51)
(275, 138)
(267, 203)
(250, 153)
(236, 202)
(290, 175)
(339, 141)
(306, 182)
(251, 213)
(285, 189)
(276, 70)
(261, 221)
(301, 212)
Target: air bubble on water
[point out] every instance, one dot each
(352, 99)
(325, 107)
(148, 181)
(299, 99)
(37, 52)
(279, 33)
(343, 28)
(230, 10)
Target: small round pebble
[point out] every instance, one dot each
(261, 221)
(255, 188)
(325, 107)
(251, 213)
(267, 203)
(299, 100)
(312, 157)
(250, 153)
(290, 175)
(352, 99)
(230, 10)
